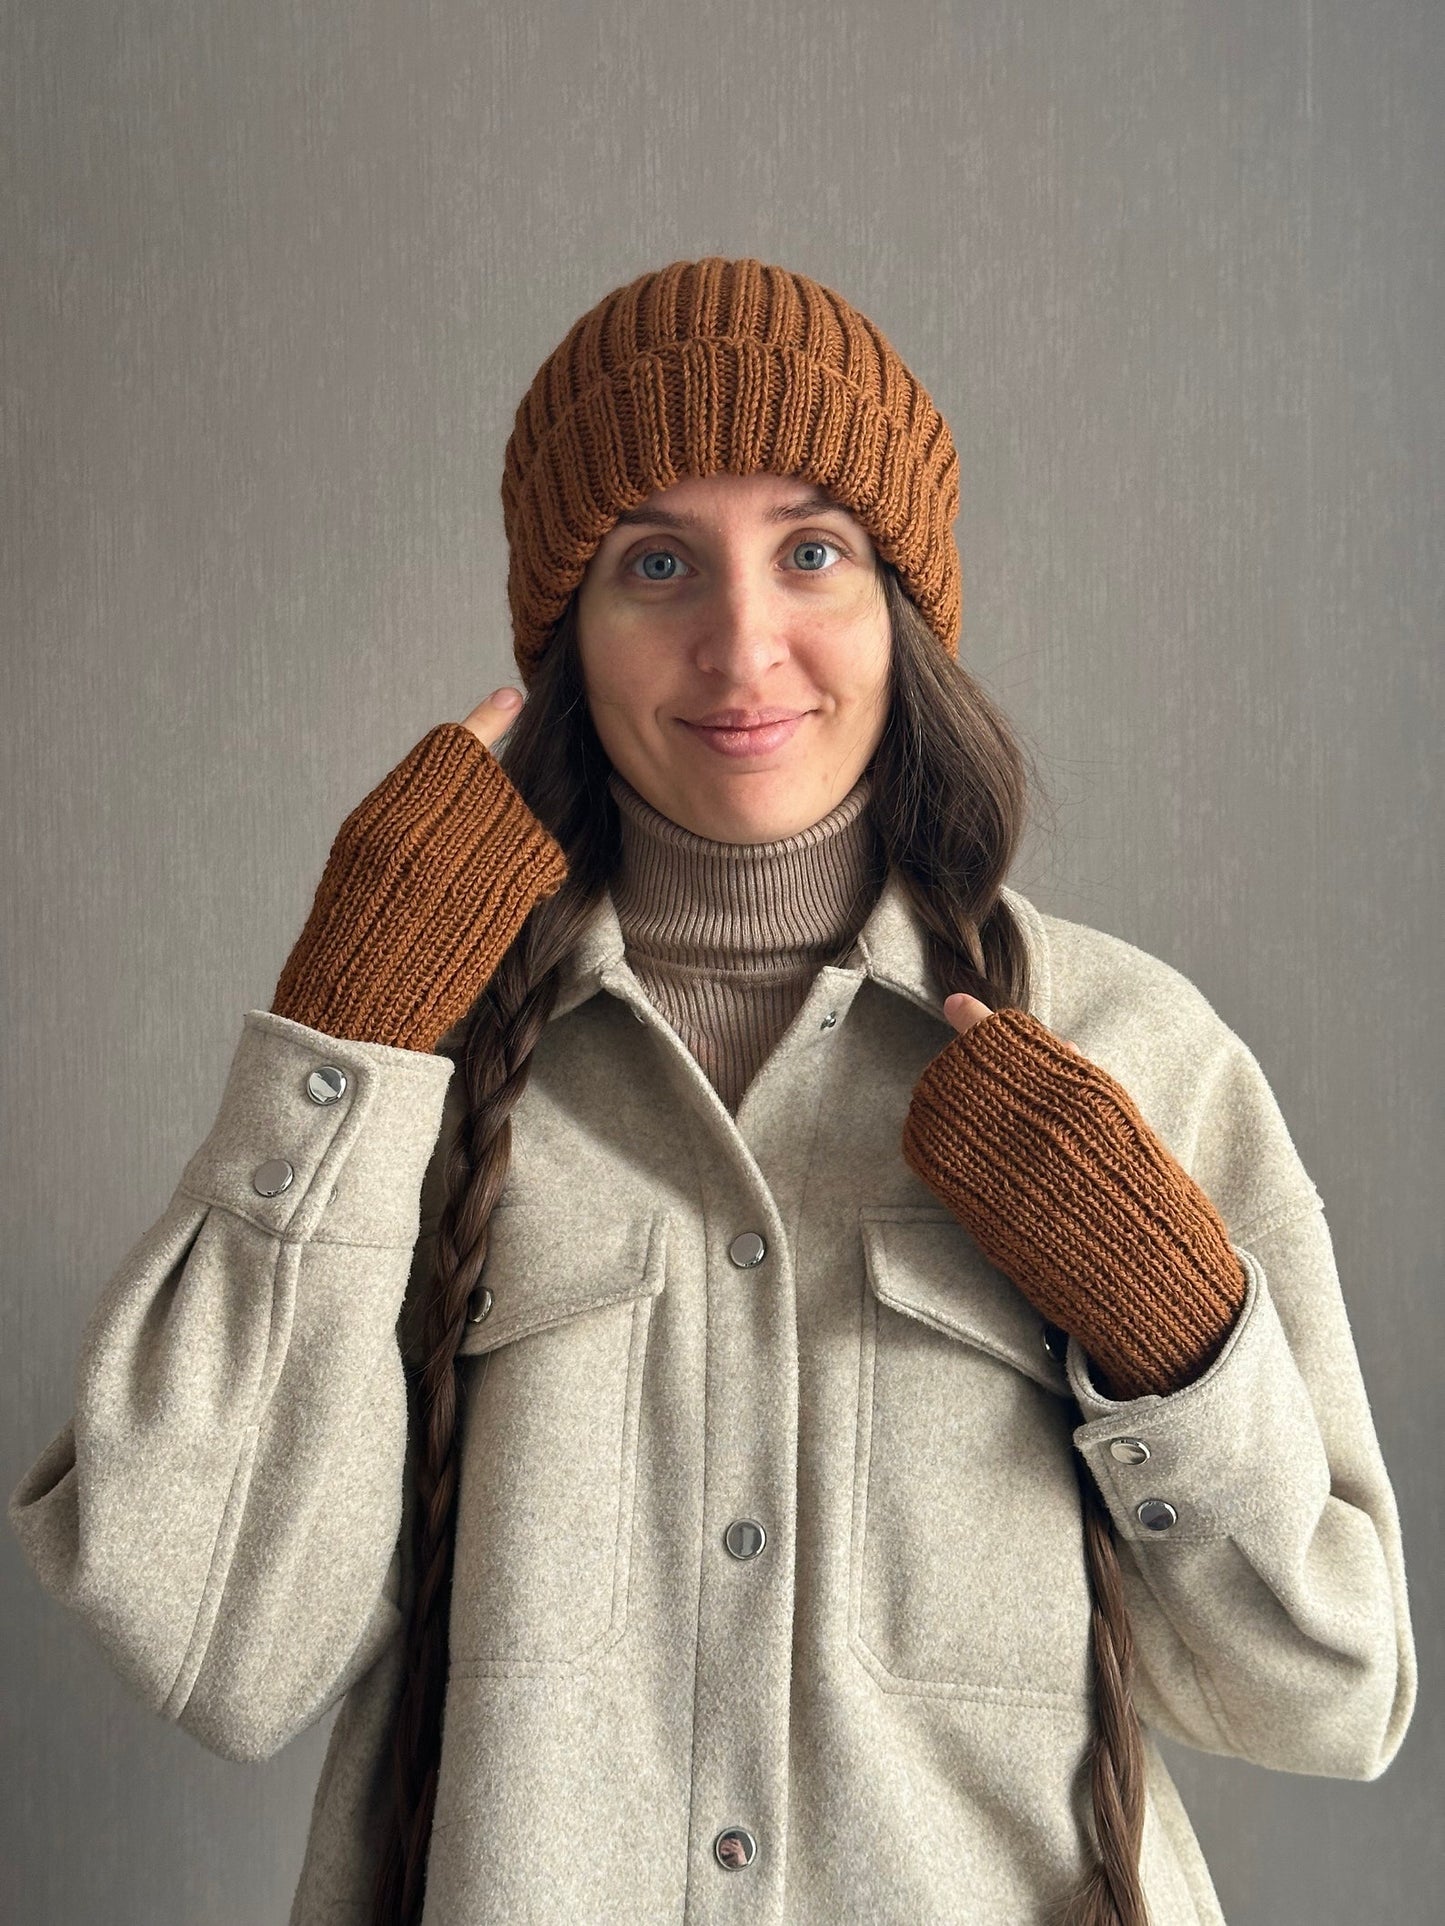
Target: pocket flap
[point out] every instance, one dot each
(544, 1266)
(922, 1261)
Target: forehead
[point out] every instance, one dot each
(764, 498)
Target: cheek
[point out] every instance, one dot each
(612, 652)
(626, 676)
(855, 667)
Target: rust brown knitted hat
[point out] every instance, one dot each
(718, 365)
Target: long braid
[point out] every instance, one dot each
(553, 756)
(1113, 1893)
(495, 1064)
(950, 823)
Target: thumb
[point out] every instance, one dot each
(492, 718)
(964, 1011)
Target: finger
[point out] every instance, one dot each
(493, 717)
(964, 1011)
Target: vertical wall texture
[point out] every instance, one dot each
(276, 278)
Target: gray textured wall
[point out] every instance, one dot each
(276, 278)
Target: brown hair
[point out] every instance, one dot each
(949, 796)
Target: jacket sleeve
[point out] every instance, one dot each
(223, 1510)
(1269, 1611)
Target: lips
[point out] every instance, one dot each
(743, 718)
(757, 741)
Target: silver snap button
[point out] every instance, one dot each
(478, 1304)
(270, 1179)
(325, 1084)
(1155, 1515)
(1129, 1451)
(745, 1538)
(735, 1847)
(829, 1020)
(747, 1249)
(1056, 1342)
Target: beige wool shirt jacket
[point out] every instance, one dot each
(769, 1515)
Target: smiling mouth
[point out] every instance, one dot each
(742, 718)
(756, 741)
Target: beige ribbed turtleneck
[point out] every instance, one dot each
(726, 938)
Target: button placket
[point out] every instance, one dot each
(745, 1607)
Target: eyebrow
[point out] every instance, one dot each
(796, 511)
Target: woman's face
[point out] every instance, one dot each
(749, 593)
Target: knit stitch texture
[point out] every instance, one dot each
(429, 880)
(1046, 1159)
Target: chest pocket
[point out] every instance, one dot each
(552, 1402)
(967, 1558)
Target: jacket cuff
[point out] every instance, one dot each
(321, 1138)
(1203, 1462)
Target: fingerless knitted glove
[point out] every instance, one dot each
(1046, 1160)
(428, 882)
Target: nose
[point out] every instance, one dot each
(740, 633)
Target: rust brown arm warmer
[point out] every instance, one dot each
(1046, 1159)
(428, 882)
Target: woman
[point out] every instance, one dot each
(696, 1452)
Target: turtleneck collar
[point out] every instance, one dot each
(771, 910)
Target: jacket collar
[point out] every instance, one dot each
(891, 949)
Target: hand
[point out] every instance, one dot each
(494, 716)
(427, 884)
(1133, 1259)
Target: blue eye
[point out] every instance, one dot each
(813, 546)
